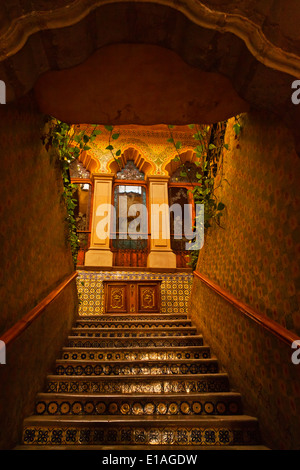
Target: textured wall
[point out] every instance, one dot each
(29, 359)
(256, 258)
(35, 258)
(34, 253)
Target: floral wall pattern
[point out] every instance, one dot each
(35, 257)
(34, 251)
(255, 257)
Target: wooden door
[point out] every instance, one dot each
(132, 296)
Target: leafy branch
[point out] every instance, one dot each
(69, 143)
(208, 155)
(110, 147)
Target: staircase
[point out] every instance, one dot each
(134, 382)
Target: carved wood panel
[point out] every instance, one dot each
(116, 297)
(132, 296)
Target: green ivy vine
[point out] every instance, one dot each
(68, 143)
(209, 160)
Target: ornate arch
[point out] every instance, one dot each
(19, 29)
(132, 152)
(172, 163)
(90, 162)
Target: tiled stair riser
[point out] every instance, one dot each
(138, 380)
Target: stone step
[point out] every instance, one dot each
(146, 430)
(173, 367)
(196, 383)
(133, 332)
(136, 354)
(134, 316)
(142, 341)
(133, 323)
(135, 448)
(226, 403)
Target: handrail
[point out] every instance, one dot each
(275, 328)
(10, 335)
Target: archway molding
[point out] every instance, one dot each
(132, 152)
(173, 163)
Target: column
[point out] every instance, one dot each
(161, 255)
(99, 253)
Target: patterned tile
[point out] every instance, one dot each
(175, 289)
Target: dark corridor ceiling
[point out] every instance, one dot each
(251, 50)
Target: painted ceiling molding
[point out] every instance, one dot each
(148, 147)
(21, 28)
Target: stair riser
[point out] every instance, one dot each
(127, 385)
(160, 434)
(134, 342)
(136, 369)
(138, 317)
(101, 355)
(132, 333)
(137, 407)
(129, 325)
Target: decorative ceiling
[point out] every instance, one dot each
(246, 51)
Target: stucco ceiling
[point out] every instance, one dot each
(240, 54)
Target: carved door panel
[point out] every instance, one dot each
(116, 298)
(148, 297)
(132, 297)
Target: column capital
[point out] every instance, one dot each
(158, 178)
(102, 176)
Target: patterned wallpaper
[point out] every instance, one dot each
(35, 258)
(33, 248)
(256, 258)
(258, 364)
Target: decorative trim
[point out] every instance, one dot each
(159, 384)
(142, 342)
(15, 37)
(270, 325)
(29, 318)
(132, 324)
(122, 368)
(136, 354)
(152, 434)
(159, 405)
